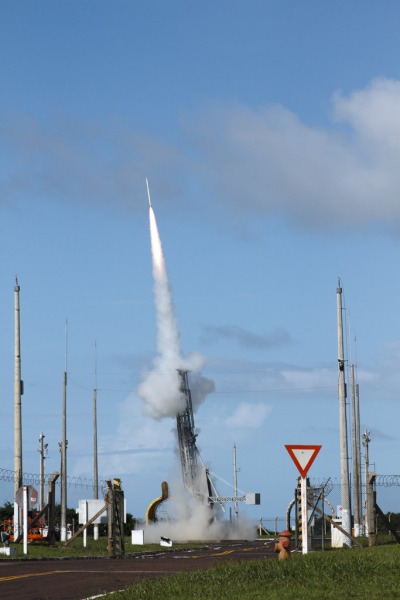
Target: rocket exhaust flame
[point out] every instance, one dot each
(156, 248)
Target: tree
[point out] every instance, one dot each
(393, 518)
(6, 511)
(130, 523)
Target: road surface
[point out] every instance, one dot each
(79, 579)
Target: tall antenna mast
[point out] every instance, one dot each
(354, 446)
(95, 463)
(344, 454)
(95, 458)
(64, 443)
(18, 391)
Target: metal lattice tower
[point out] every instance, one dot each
(195, 477)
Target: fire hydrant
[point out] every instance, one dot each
(283, 546)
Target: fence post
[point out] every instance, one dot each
(371, 521)
(51, 501)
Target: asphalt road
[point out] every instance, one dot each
(79, 579)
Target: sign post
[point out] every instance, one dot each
(25, 491)
(303, 457)
(25, 497)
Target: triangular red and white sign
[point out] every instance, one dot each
(303, 456)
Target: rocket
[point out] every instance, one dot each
(148, 193)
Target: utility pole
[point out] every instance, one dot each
(358, 444)
(95, 458)
(18, 391)
(369, 492)
(43, 454)
(236, 506)
(344, 454)
(63, 448)
(356, 466)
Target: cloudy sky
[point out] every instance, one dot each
(270, 134)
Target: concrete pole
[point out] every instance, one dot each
(42, 452)
(344, 454)
(18, 390)
(369, 493)
(358, 446)
(95, 465)
(355, 481)
(63, 531)
(63, 447)
(95, 456)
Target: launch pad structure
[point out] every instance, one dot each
(196, 477)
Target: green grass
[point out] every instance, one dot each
(98, 548)
(356, 573)
(337, 574)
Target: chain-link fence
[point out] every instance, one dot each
(77, 489)
(324, 496)
(324, 500)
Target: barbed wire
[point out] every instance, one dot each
(388, 480)
(381, 480)
(35, 479)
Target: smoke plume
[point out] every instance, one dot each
(192, 521)
(160, 387)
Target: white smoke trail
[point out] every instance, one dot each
(160, 388)
(168, 342)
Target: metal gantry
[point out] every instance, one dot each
(195, 476)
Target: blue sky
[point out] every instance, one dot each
(269, 132)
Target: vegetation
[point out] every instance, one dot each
(393, 518)
(355, 573)
(359, 573)
(94, 548)
(6, 511)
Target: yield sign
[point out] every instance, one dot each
(303, 457)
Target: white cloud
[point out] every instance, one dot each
(308, 379)
(373, 112)
(244, 337)
(268, 161)
(248, 415)
(250, 161)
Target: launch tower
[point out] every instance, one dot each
(195, 476)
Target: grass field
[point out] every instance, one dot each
(340, 574)
(348, 573)
(76, 549)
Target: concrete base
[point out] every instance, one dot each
(137, 537)
(8, 551)
(337, 537)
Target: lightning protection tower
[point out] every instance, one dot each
(344, 452)
(195, 477)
